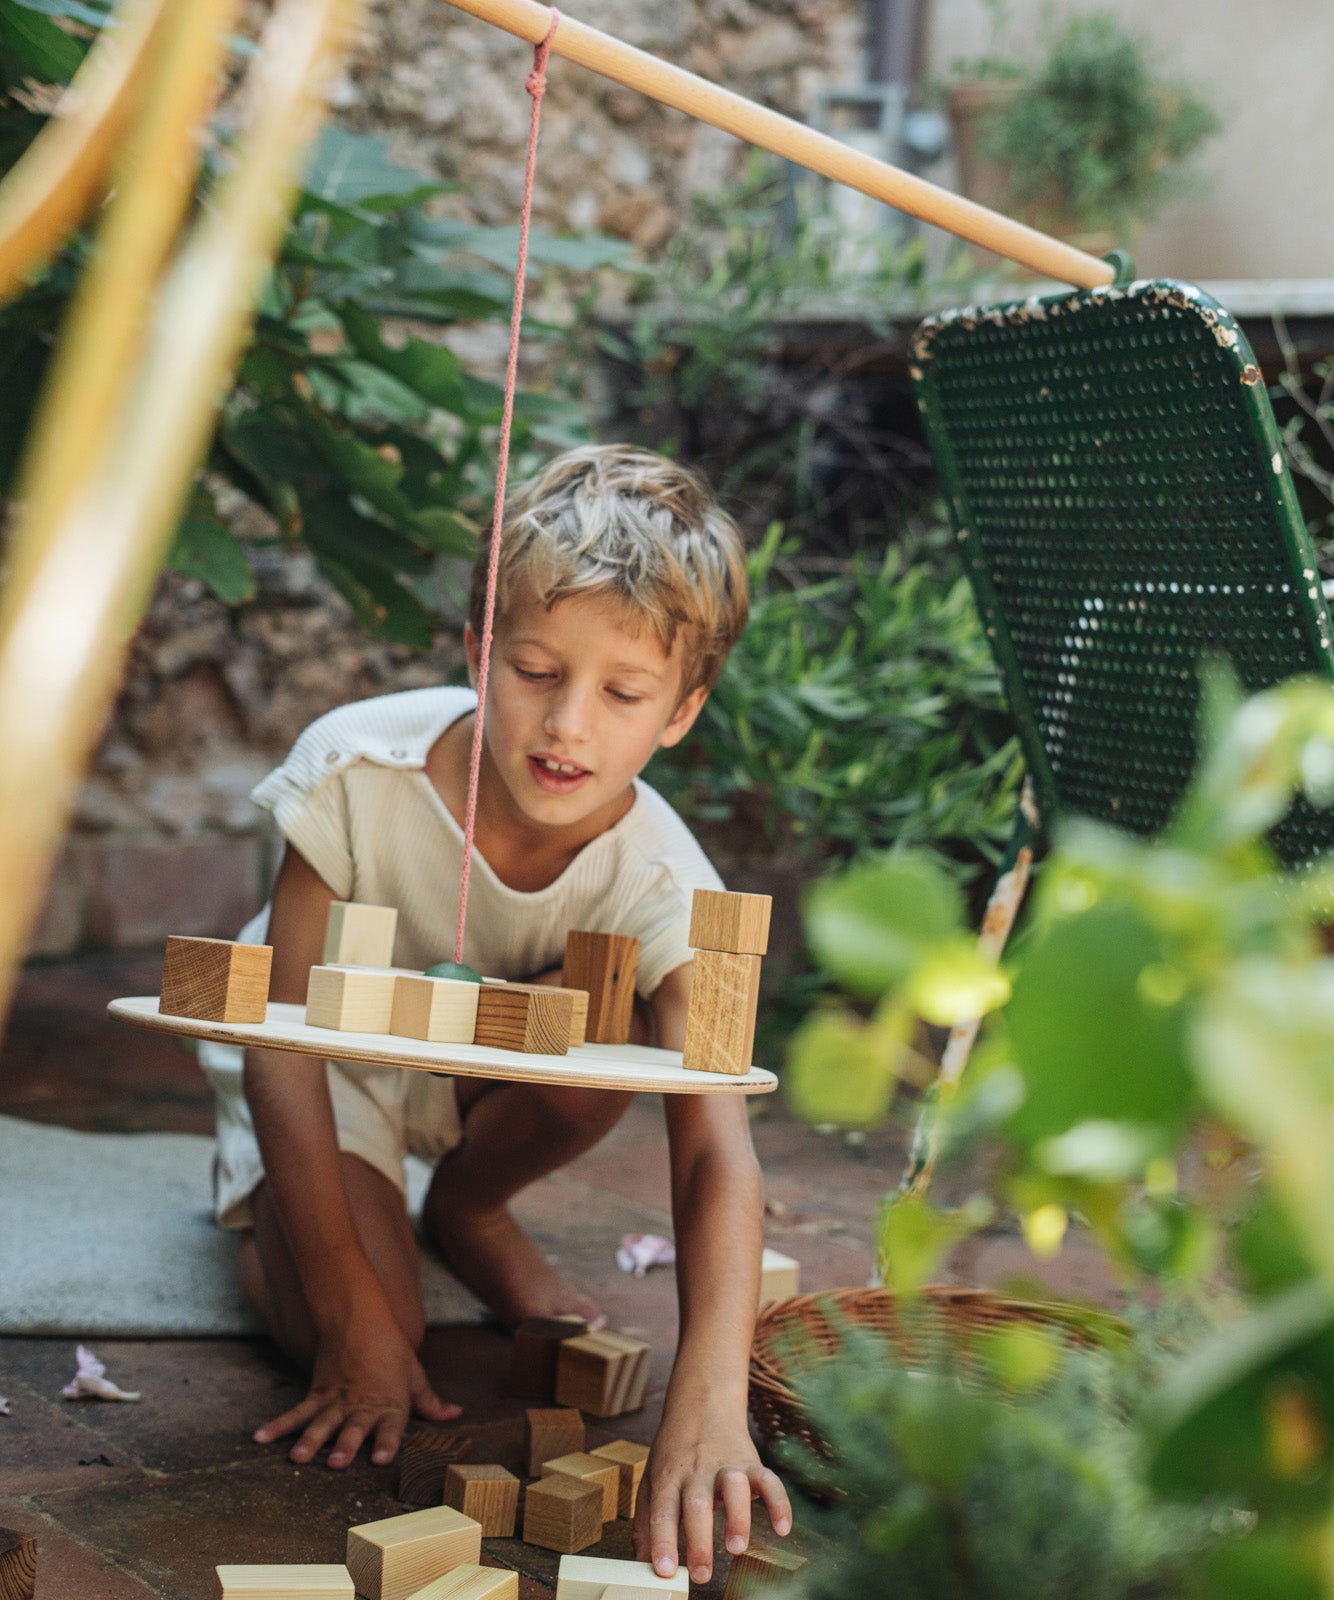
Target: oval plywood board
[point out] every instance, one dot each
(591, 1066)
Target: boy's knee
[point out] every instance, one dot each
(574, 1111)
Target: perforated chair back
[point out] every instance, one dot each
(1117, 484)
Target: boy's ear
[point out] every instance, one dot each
(683, 718)
(472, 649)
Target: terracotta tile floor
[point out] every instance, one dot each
(135, 1501)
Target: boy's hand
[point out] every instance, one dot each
(696, 1465)
(366, 1383)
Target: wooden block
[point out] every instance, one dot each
(552, 1431)
(18, 1565)
(579, 1005)
(425, 1457)
(392, 1558)
(283, 1583)
(738, 923)
(780, 1276)
(351, 999)
(359, 936)
(720, 1023)
(471, 1582)
(580, 1464)
(487, 1494)
(605, 1374)
(626, 1591)
(605, 964)
(535, 1020)
(562, 1513)
(759, 1571)
(215, 980)
(443, 1010)
(533, 1355)
(588, 1578)
(630, 1459)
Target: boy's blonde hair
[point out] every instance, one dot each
(615, 520)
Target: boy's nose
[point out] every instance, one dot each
(567, 717)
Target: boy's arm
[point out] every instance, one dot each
(703, 1452)
(366, 1376)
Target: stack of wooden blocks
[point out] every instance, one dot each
(729, 934)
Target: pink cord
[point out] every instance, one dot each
(536, 85)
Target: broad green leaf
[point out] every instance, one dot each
(841, 1070)
(1020, 1357)
(430, 370)
(956, 983)
(870, 927)
(381, 604)
(205, 548)
(1101, 1151)
(1273, 1563)
(1266, 1251)
(915, 1238)
(46, 51)
(354, 169)
(89, 15)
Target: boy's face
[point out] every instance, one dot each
(578, 700)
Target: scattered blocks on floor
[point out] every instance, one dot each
(605, 1374)
(588, 1578)
(357, 935)
(630, 1459)
(780, 1276)
(738, 923)
(472, 1582)
(426, 1456)
(562, 1513)
(720, 1022)
(351, 999)
(441, 1010)
(18, 1565)
(215, 980)
(535, 1020)
(605, 965)
(487, 1494)
(281, 1583)
(393, 1558)
(537, 1342)
(552, 1431)
(592, 1469)
(759, 1571)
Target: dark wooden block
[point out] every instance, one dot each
(215, 980)
(533, 1356)
(759, 1571)
(552, 1432)
(605, 964)
(18, 1564)
(423, 1461)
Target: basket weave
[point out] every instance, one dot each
(793, 1336)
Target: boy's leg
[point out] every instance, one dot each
(513, 1133)
(269, 1276)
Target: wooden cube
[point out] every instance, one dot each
(738, 923)
(215, 980)
(318, 1582)
(627, 1591)
(351, 999)
(487, 1494)
(552, 1431)
(471, 1582)
(605, 964)
(357, 935)
(392, 1559)
(605, 1374)
(588, 1578)
(562, 1513)
(780, 1276)
(580, 1464)
(720, 1022)
(442, 1010)
(425, 1457)
(578, 1004)
(533, 1355)
(535, 1020)
(759, 1571)
(630, 1459)
(18, 1565)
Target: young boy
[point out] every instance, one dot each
(622, 587)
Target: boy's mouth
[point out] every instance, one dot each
(557, 776)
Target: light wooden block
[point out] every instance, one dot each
(533, 1355)
(780, 1276)
(534, 1019)
(630, 1459)
(578, 1003)
(319, 1582)
(759, 1571)
(442, 1010)
(738, 923)
(580, 1464)
(488, 1494)
(18, 1565)
(604, 964)
(357, 935)
(215, 980)
(351, 999)
(627, 1591)
(562, 1513)
(552, 1431)
(720, 1021)
(392, 1558)
(605, 1374)
(471, 1582)
(588, 1578)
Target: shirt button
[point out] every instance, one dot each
(332, 757)
(399, 755)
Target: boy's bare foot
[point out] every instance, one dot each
(495, 1258)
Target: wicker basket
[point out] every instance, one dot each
(792, 1336)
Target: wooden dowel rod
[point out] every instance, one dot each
(792, 140)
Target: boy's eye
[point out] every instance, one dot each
(533, 676)
(625, 699)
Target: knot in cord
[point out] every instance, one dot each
(536, 81)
